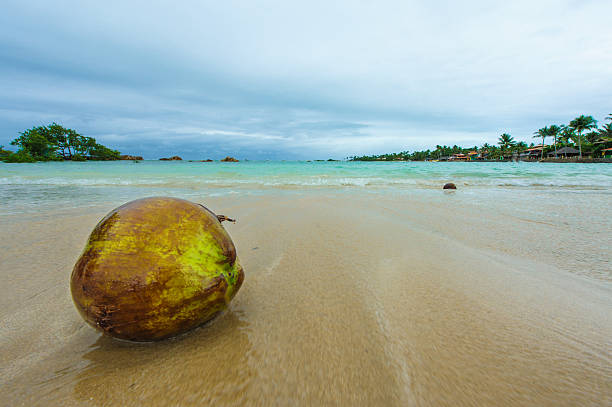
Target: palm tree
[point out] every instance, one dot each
(519, 147)
(485, 150)
(606, 131)
(505, 141)
(438, 150)
(543, 132)
(581, 124)
(553, 131)
(566, 134)
(592, 136)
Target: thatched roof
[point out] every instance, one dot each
(564, 151)
(567, 150)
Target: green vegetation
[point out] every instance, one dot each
(506, 141)
(4, 153)
(580, 124)
(582, 133)
(56, 143)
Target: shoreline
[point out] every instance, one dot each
(348, 299)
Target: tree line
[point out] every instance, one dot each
(56, 143)
(582, 132)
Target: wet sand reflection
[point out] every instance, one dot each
(204, 366)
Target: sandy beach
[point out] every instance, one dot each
(422, 194)
(349, 299)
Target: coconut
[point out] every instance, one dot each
(155, 268)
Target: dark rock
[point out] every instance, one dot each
(130, 157)
(173, 158)
(229, 159)
(450, 185)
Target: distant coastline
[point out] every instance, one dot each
(580, 141)
(571, 160)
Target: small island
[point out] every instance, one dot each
(130, 157)
(56, 143)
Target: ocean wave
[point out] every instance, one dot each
(309, 175)
(271, 182)
(78, 181)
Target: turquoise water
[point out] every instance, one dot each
(566, 204)
(27, 186)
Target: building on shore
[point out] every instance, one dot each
(533, 153)
(459, 157)
(565, 152)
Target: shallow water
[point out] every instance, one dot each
(354, 295)
(22, 184)
(574, 198)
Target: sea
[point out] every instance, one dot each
(28, 187)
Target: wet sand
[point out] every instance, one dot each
(349, 299)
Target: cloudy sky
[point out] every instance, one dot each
(301, 80)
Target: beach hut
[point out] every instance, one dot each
(607, 152)
(565, 152)
(480, 155)
(532, 153)
(459, 157)
(605, 142)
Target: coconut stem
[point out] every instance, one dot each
(223, 217)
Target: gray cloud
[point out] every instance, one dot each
(279, 79)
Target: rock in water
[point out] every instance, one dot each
(450, 185)
(154, 268)
(229, 159)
